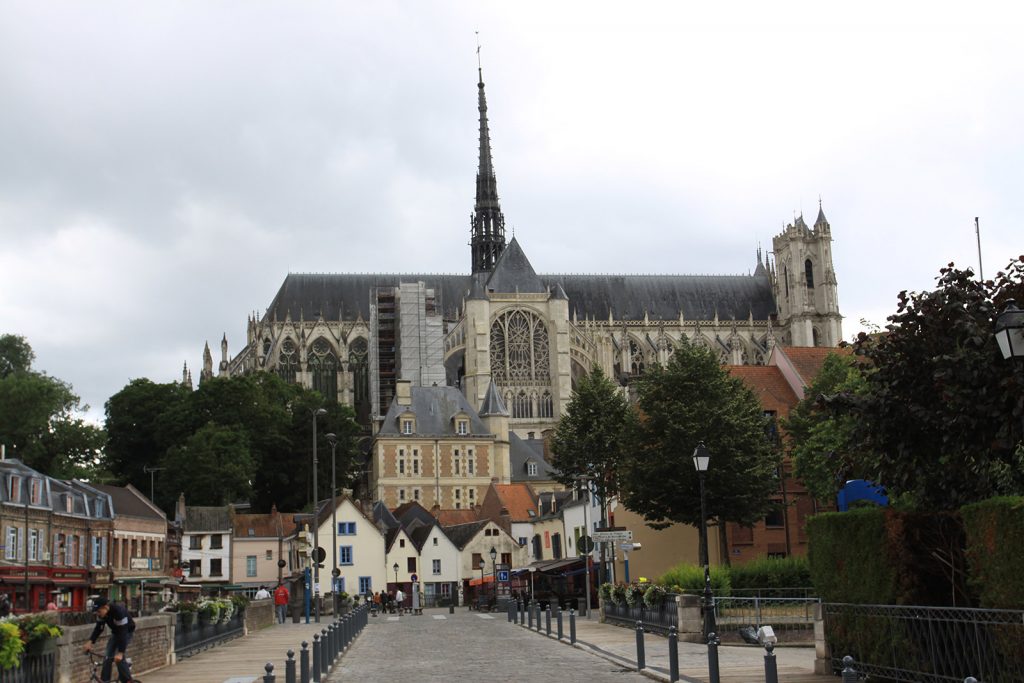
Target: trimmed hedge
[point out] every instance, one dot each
(848, 557)
(689, 578)
(995, 536)
(766, 574)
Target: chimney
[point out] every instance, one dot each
(529, 435)
(403, 392)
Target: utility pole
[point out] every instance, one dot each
(151, 471)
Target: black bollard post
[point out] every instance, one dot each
(304, 663)
(317, 658)
(559, 615)
(343, 633)
(673, 654)
(641, 659)
(289, 668)
(329, 647)
(522, 612)
(511, 612)
(325, 655)
(269, 677)
(771, 666)
(572, 626)
(536, 608)
(849, 673)
(529, 616)
(547, 618)
(713, 674)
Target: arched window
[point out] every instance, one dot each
(357, 363)
(785, 278)
(816, 338)
(636, 358)
(521, 406)
(288, 361)
(546, 408)
(323, 368)
(809, 273)
(519, 348)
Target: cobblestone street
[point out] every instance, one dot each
(467, 646)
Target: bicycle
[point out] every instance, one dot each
(96, 663)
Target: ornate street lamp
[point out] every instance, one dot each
(316, 519)
(1009, 331)
(701, 460)
(494, 572)
(482, 565)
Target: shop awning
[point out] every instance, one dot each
(478, 582)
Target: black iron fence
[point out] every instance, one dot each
(791, 614)
(657, 619)
(195, 632)
(927, 644)
(34, 669)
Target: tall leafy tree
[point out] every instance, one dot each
(40, 417)
(592, 438)
(214, 466)
(820, 435)
(694, 399)
(941, 421)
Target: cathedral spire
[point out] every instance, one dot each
(487, 239)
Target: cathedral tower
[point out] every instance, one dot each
(487, 233)
(805, 284)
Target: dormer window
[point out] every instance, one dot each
(69, 503)
(462, 427)
(407, 427)
(14, 489)
(36, 491)
(531, 469)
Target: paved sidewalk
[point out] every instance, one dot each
(242, 658)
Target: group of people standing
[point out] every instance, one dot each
(281, 597)
(388, 602)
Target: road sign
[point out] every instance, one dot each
(585, 544)
(413, 577)
(503, 575)
(503, 566)
(319, 555)
(613, 536)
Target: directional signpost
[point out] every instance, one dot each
(612, 535)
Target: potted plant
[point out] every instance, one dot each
(209, 611)
(39, 633)
(227, 608)
(619, 594)
(11, 645)
(188, 612)
(605, 591)
(654, 596)
(634, 594)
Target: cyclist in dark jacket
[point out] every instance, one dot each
(122, 628)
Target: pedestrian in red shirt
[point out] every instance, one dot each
(281, 602)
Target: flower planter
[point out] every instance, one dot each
(41, 646)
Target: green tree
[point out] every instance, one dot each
(690, 400)
(820, 437)
(40, 419)
(592, 437)
(941, 422)
(214, 466)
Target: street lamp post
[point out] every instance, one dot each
(588, 552)
(482, 565)
(494, 572)
(316, 520)
(333, 440)
(701, 459)
(1009, 332)
(151, 471)
(532, 570)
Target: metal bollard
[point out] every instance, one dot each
(559, 615)
(536, 607)
(849, 673)
(304, 663)
(673, 654)
(641, 659)
(713, 674)
(328, 647)
(522, 612)
(325, 655)
(547, 618)
(529, 616)
(289, 668)
(572, 626)
(269, 677)
(510, 611)
(771, 666)
(316, 658)
(343, 633)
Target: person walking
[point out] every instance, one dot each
(122, 628)
(281, 597)
(262, 594)
(399, 599)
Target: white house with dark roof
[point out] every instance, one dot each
(205, 543)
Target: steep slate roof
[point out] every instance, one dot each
(628, 297)
(518, 499)
(513, 273)
(262, 525)
(204, 518)
(461, 534)
(420, 534)
(382, 516)
(407, 512)
(768, 382)
(521, 451)
(129, 501)
(493, 405)
(434, 408)
(808, 360)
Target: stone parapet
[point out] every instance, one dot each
(152, 648)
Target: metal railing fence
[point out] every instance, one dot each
(782, 614)
(927, 644)
(194, 633)
(655, 619)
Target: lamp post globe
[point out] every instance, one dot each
(1009, 331)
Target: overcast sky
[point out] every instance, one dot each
(164, 165)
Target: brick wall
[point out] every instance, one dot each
(259, 614)
(151, 648)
